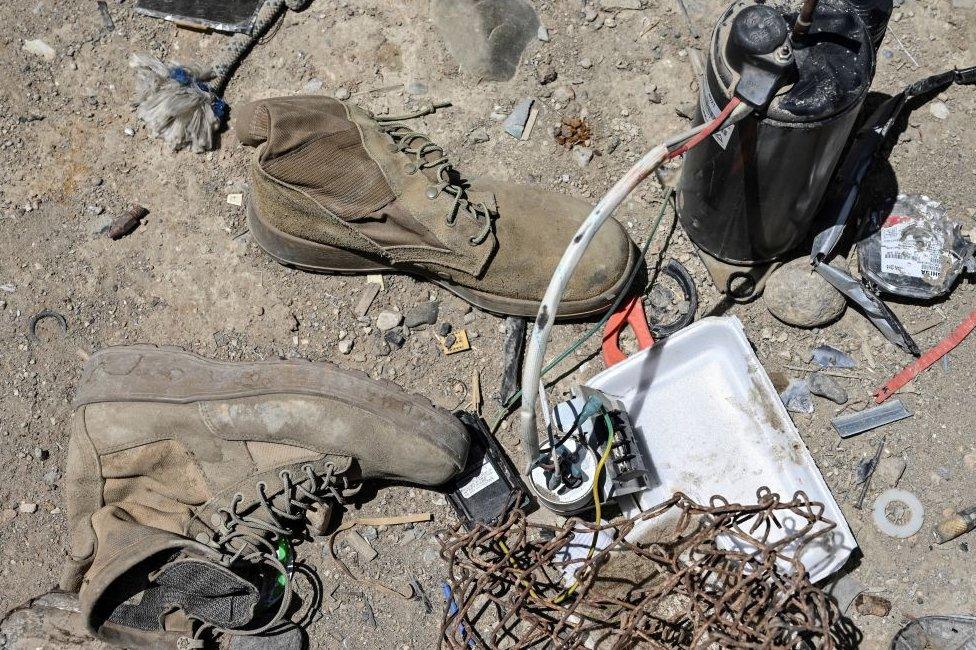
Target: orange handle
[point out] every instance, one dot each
(630, 313)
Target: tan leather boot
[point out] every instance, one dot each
(335, 190)
(189, 477)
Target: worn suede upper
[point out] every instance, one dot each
(165, 442)
(327, 172)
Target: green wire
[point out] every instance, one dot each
(507, 407)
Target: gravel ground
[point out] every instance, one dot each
(73, 156)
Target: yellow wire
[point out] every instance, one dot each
(597, 506)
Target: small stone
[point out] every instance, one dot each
(345, 346)
(799, 296)
(417, 88)
(129, 131)
(380, 348)
(444, 329)
(828, 387)
(313, 85)
(582, 155)
(546, 74)
(653, 95)
(449, 341)
(52, 476)
(612, 144)
(387, 320)
(395, 339)
(342, 93)
(939, 110)
(890, 471)
(585, 63)
(870, 605)
(100, 225)
(27, 508)
(425, 314)
(590, 15)
(95, 181)
(686, 110)
(370, 533)
(515, 123)
(39, 48)
(563, 94)
(943, 473)
(478, 135)
(41, 454)
(620, 4)
(543, 34)
(796, 398)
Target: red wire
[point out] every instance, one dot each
(707, 131)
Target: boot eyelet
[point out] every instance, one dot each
(432, 192)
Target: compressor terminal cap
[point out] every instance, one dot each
(759, 50)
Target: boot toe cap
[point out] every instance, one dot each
(534, 229)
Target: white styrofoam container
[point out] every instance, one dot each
(714, 425)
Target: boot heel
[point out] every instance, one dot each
(303, 254)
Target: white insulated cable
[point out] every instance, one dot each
(532, 372)
(532, 369)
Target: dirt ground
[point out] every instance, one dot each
(73, 155)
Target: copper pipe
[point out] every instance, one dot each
(805, 18)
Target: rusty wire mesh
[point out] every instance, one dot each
(716, 576)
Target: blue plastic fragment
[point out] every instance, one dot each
(180, 76)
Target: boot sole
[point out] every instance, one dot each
(321, 258)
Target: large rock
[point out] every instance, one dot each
(798, 296)
(486, 37)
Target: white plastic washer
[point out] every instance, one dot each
(906, 508)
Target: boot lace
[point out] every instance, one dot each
(250, 538)
(428, 155)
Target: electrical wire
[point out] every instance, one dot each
(507, 407)
(712, 127)
(741, 111)
(549, 306)
(597, 504)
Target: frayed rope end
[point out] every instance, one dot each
(176, 104)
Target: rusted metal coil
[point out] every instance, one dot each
(685, 590)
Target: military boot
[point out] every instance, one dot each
(189, 479)
(337, 190)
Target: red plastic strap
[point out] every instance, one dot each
(630, 313)
(925, 361)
